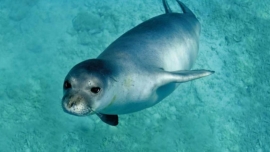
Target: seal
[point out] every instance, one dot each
(138, 70)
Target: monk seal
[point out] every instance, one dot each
(138, 70)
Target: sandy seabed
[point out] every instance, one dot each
(226, 112)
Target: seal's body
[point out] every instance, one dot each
(138, 70)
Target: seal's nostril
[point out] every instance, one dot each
(71, 104)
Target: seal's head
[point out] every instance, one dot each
(84, 87)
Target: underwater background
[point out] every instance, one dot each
(41, 40)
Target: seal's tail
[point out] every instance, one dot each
(185, 9)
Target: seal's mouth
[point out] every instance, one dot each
(77, 111)
(76, 105)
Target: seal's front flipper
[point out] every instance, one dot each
(109, 119)
(183, 76)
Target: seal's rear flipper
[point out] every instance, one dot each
(166, 6)
(183, 76)
(184, 8)
(109, 119)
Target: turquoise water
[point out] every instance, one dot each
(228, 111)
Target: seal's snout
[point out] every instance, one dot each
(73, 101)
(75, 105)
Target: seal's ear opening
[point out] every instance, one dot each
(109, 119)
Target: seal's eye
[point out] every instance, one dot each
(67, 85)
(95, 90)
